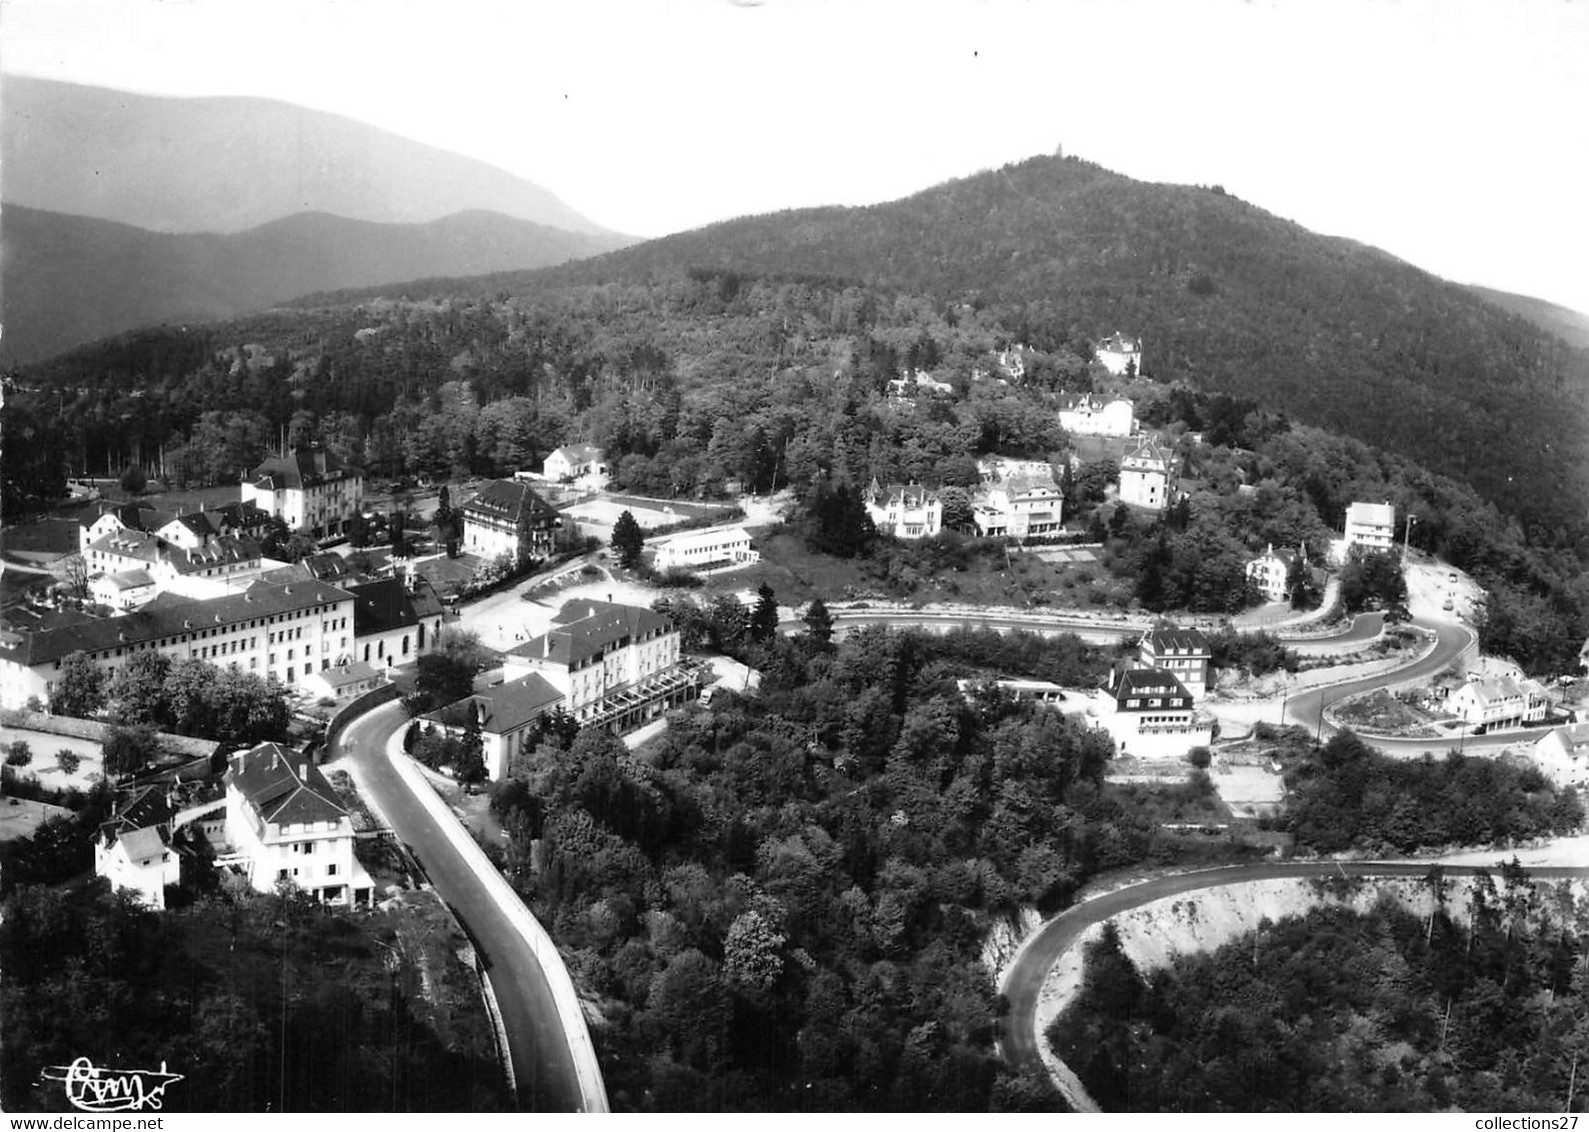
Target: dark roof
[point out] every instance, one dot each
(503, 708)
(1139, 682)
(136, 516)
(302, 468)
(503, 501)
(584, 629)
(283, 786)
(388, 603)
(151, 548)
(168, 615)
(327, 566)
(1166, 637)
(909, 495)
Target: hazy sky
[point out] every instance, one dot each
(1455, 135)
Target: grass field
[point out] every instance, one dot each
(797, 575)
(19, 817)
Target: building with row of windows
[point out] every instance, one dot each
(309, 489)
(285, 630)
(507, 517)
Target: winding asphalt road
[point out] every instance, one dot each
(543, 1065)
(1018, 1039)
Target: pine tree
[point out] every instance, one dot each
(764, 621)
(628, 540)
(819, 622)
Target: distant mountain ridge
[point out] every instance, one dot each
(1564, 322)
(1223, 294)
(232, 164)
(67, 280)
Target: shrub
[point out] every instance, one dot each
(68, 761)
(1199, 757)
(19, 754)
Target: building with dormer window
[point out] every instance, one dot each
(1146, 473)
(308, 489)
(509, 518)
(284, 822)
(904, 511)
(1184, 653)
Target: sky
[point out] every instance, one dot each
(1454, 135)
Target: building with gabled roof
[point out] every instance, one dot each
(509, 518)
(1120, 355)
(904, 510)
(1499, 702)
(1090, 414)
(284, 822)
(616, 665)
(1146, 475)
(1022, 505)
(115, 517)
(1270, 572)
(508, 715)
(395, 620)
(309, 489)
(703, 550)
(572, 462)
(1150, 714)
(134, 847)
(123, 590)
(1563, 756)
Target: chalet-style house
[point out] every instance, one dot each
(509, 518)
(904, 511)
(1150, 714)
(308, 489)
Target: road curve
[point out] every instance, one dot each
(1018, 1037)
(543, 1064)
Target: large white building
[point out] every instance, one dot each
(1145, 476)
(615, 666)
(573, 462)
(308, 489)
(904, 511)
(702, 550)
(1499, 702)
(1084, 414)
(1183, 653)
(282, 630)
(1150, 715)
(509, 518)
(221, 564)
(1371, 526)
(285, 823)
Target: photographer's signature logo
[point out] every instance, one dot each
(93, 1089)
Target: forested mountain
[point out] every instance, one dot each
(1564, 322)
(229, 164)
(66, 280)
(1225, 295)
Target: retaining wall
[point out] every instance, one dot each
(591, 1086)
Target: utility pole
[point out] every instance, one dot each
(1407, 538)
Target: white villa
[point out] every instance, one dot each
(508, 715)
(508, 518)
(573, 462)
(1270, 571)
(1499, 702)
(308, 489)
(1563, 756)
(1086, 414)
(1120, 355)
(904, 511)
(1020, 507)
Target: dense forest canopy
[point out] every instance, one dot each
(1337, 1011)
(702, 379)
